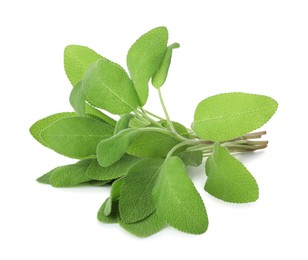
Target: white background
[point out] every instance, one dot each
(250, 46)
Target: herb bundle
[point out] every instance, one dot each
(143, 156)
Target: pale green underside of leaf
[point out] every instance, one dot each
(38, 127)
(136, 200)
(76, 137)
(114, 195)
(118, 169)
(226, 116)
(112, 217)
(161, 74)
(107, 86)
(112, 149)
(228, 179)
(177, 199)
(152, 145)
(146, 227)
(144, 58)
(122, 123)
(76, 61)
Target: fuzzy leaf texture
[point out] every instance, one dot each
(144, 59)
(77, 59)
(177, 199)
(76, 137)
(38, 127)
(70, 175)
(112, 149)
(227, 116)
(114, 171)
(107, 86)
(146, 227)
(112, 217)
(78, 99)
(122, 123)
(136, 200)
(228, 179)
(152, 144)
(114, 196)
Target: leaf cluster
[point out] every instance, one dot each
(144, 157)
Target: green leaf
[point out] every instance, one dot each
(227, 116)
(179, 128)
(107, 86)
(152, 144)
(76, 61)
(122, 123)
(144, 59)
(136, 200)
(136, 123)
(76, 137)
(191, 158)
(228, 179)
(160, 76)
(70, 175)
(112, 149)
(114, 171)
(38, 127)
(112, 217)
(78, 99)
(45, 179)
(97, 114)
(177, 199)
(114, 195)
(146, 227)
(96, 183)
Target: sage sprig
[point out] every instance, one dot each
(144, 156)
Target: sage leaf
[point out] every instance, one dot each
(77, 59)
(152, 144)
(160, 75)
(179, 128)
(114, 171)
(76, 137)
(112, 149)
(146, 227)
(96, 183)
(70, 175)
(112, 217)
(226, 116)
(136, 123)
(45, 178)
(144, 58)
(191, 158)
(228, 179)
(78, 99)
(136, 200)
(177, 199)
(107, 86)
(122, 123)
(38, 127)
(99, 115)
(114, 195)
